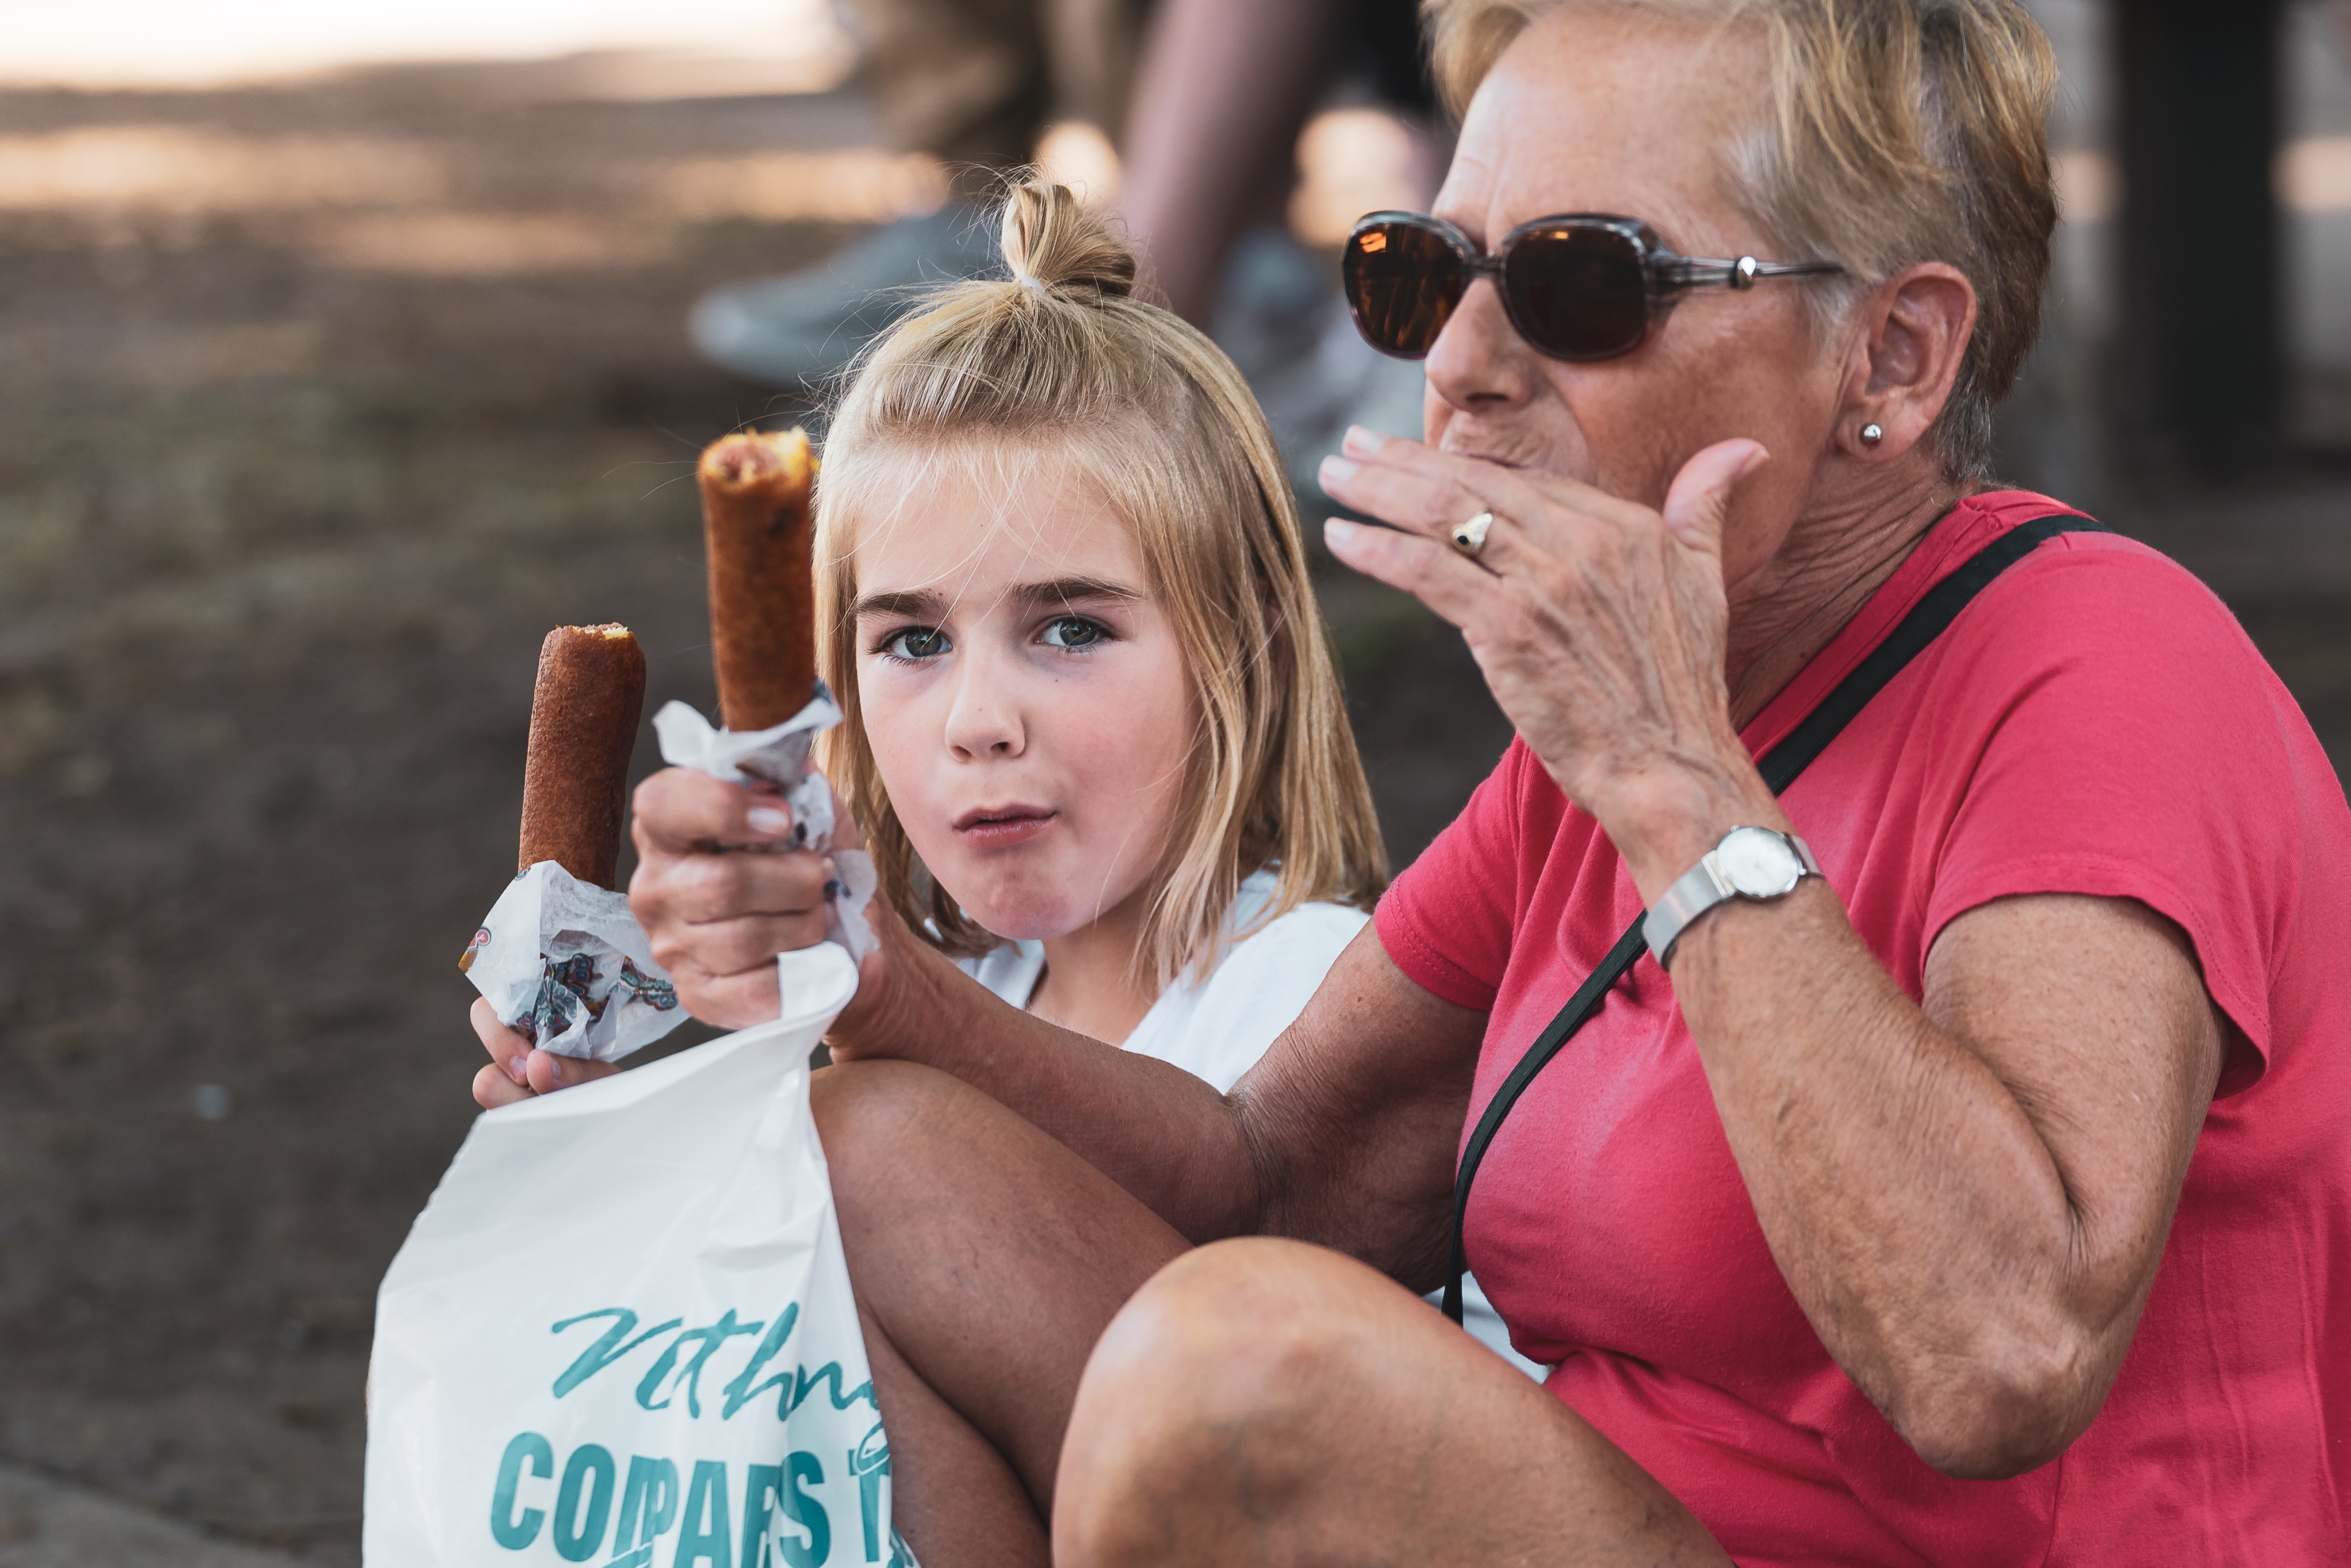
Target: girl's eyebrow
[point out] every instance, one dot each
(1065, 590)
(914, 602)
(921, 603)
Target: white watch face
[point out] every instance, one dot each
(1758, 862)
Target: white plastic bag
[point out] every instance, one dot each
(622, 1332)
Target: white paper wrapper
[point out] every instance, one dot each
(780, 756)
(568, 966)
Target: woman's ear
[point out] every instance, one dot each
(1916, 327)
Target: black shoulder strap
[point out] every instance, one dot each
(1927, 620)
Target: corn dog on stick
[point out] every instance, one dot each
(756, 529)
(584, 723)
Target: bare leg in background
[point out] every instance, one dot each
(1224, 87)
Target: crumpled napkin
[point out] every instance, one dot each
(568, 966)
(780, 756)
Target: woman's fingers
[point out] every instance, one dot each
(1436, 574)
(1417, 486)
(1418, 497)
(1701, 494)
(1597, 621)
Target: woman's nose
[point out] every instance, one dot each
(985, 721)
(1480, 365)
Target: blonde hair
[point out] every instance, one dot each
(1901, 131)
(1060, 364)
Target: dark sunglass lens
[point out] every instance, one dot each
(1578, 293)
(1403, 282)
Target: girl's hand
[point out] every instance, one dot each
(717, 917)
(518, 1071)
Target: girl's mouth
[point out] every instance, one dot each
(1003, 826)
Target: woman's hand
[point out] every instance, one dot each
(1599, 623)
(717, 914)
(518, 1069)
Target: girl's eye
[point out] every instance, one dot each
(915, 642)
(1074, 631)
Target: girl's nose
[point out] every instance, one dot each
(985, 721)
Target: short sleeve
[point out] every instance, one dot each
(2111, 731)
(1446, 920)
(1259, 990)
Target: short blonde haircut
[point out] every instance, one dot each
(1060, 367)
(1899, 132)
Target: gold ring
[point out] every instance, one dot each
(1469, 538)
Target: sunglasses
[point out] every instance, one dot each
(1584, 286)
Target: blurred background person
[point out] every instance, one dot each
(1212, 96)
(971, 83)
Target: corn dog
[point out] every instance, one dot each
(584, 723)
(755, 519)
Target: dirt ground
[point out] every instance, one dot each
(299, 458)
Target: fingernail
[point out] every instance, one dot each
(1337, 531)
(1755, 459)
(1362, 441)
(767, 820)
(1338, 470)
(555, 1068)
(519, 1070)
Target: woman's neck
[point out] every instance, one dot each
(1091, 982)
(1834, 559)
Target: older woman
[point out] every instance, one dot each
(1984, 1197)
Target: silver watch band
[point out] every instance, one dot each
(1707, 884)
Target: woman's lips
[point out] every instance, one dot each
(1001, 829)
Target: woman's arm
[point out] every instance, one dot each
(1969, 1199)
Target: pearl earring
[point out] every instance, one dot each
(1871, 434)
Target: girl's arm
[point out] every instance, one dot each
(1344, 1135)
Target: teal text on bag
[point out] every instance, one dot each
(782, 1523)
(690, 1352)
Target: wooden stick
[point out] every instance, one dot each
(756, 526)
(583, 724)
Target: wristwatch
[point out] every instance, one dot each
(1750, 863)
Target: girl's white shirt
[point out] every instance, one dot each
(1216, 1026)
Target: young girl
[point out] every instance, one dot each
(1093, 738)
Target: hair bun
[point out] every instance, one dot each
(1053, 240)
